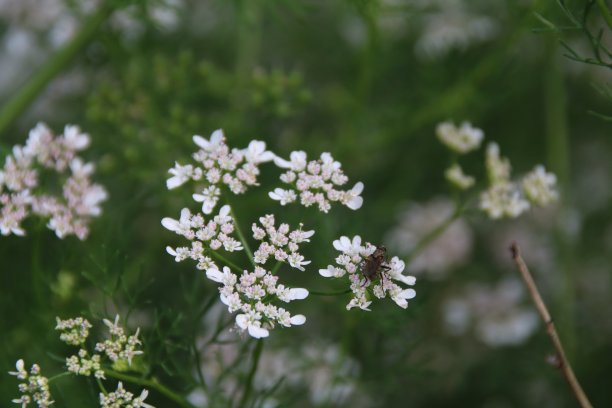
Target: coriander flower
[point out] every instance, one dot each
(462, 139)
(539, 186)
(216, 164)
(279, 243)
(119, 347)
(21, 192)
(214, 234)
(456, 177)
(503, 200)
(34, 388)
(498, 168)
(74, 331)
(255, 296)
(121, 398)
(315, 182)
(351, 261)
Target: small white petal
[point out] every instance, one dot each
(171, 224)
(214, 275)
(298, 320)
(298, 293)
(258, 332)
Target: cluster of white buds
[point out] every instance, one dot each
(461, 139)
(214, 234)
(121, 398)
(19, 184)
(505, 198)
(74, 331)
(315, 182)
(455, 175)
(119, 347)
(217, 164)
(353, 258)
(253, 294)
(84, 364)
(281, 244)
(34, 388)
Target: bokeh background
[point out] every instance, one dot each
(366, 80)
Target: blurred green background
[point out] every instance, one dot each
(368, 81)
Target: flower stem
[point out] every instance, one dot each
(226, 261)
(245, 244)
(60, 60)
(563, 363)
(314, 292)
(152, 384)
(60, 375)
(433, 234)
(605, 12)
(249, 381)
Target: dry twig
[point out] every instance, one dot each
(562, 362)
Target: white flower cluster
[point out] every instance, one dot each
(455, 175)
(236, 168)
(74, 331)
(505, 198)
(252, 294)
(494, 313)
(20, 176)
(315, 182)
(213, 234)
(119, 349)
(281, 244)
(461, 139)
(352, 259)
(120, 398)
(452, 27)
(35, 387)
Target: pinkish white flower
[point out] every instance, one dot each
(315, 183)
(351, 262)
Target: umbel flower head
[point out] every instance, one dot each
(217, 165)
(351, 261)
(21, 191)
(255, 296)
(121, 398)
(212, 234)
(506, 198)
(34, 388)
(315, 182)
(461, 139)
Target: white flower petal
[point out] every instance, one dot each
(298, 293)
(298, 320)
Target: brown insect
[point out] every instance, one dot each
(373, 265)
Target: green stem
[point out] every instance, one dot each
(433, 234)
(314, 292)
(249, 381)
(605, 12)
(226, 261)
(58, 62)
(276, 267)
(58, 376)
(241, 237)
(152, 384)
(101, 386)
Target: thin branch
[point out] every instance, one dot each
(563, 363)
(249, 381)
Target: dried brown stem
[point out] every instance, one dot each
(563, 363)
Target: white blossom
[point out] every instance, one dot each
(458, 178)
(461, 139)
(280, 243)
(121, 398)
(203, 235)
(216, 164)
(315, 183)
(34, 388)
(351, 261)
(22, 193)
(503, 200)
(255, 295)
(539, 186)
